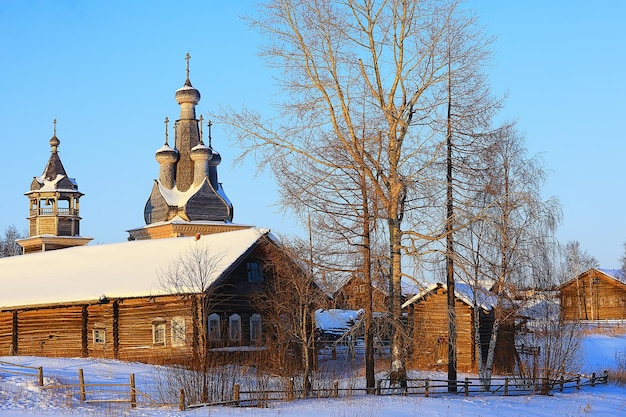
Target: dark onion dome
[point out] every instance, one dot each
(216, 159)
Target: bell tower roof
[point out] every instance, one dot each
(54, 166)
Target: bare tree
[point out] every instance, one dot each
(192, 276)
(8, 246)
(288, 305)
(575, 261)
(367, 75)
(515, 226)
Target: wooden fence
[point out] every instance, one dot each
(86, 392)
(128, 393)
(425, 387)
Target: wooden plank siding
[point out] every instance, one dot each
(593, 296)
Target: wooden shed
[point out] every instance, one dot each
(428, 312)
(596, 294)
(106, 301)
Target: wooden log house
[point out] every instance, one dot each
(596, 294)
(51, 306)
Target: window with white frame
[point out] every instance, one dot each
(234, 327)
(99, 336)
(214, 327)
(178, 331)
(158, 332)
(255, 328)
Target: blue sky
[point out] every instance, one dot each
(108, 70)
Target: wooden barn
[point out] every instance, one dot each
(111, 300)
(429, 317)
(597, 294)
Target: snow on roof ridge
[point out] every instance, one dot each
(462, 291)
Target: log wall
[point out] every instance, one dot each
(6, 332)
(50, 332)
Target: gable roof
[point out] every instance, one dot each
(485, 299)
(128, 269)
(616, 275)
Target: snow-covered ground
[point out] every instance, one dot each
(20, 396)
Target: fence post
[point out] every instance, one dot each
(426, 388)
(133, 392)
(181, 404)
(378, 384)
(333, 353)
(40, 376)
(290, 395)
(236, 394)
(545, 386)
(81, 381)
(561, 383)
(506, 387)
(578, 381)
(466, 386)
(336, 389)
(593, 379)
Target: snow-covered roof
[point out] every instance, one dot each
(127, 269)
(336, 321)
(616, 274)
(485, 299)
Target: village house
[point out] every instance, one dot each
(66, 298)
(428, 315)
(596, 294)
(352, 296)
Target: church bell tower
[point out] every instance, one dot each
(54, 220)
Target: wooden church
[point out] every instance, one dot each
(140, 299)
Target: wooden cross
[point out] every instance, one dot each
(209, 124)
(54, 129)
(187, 57)
(201, 119)
(166, 122)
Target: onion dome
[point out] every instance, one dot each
(216, 158)
(187, 94)
(165, 154)
(54, 143)
(201, 151)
